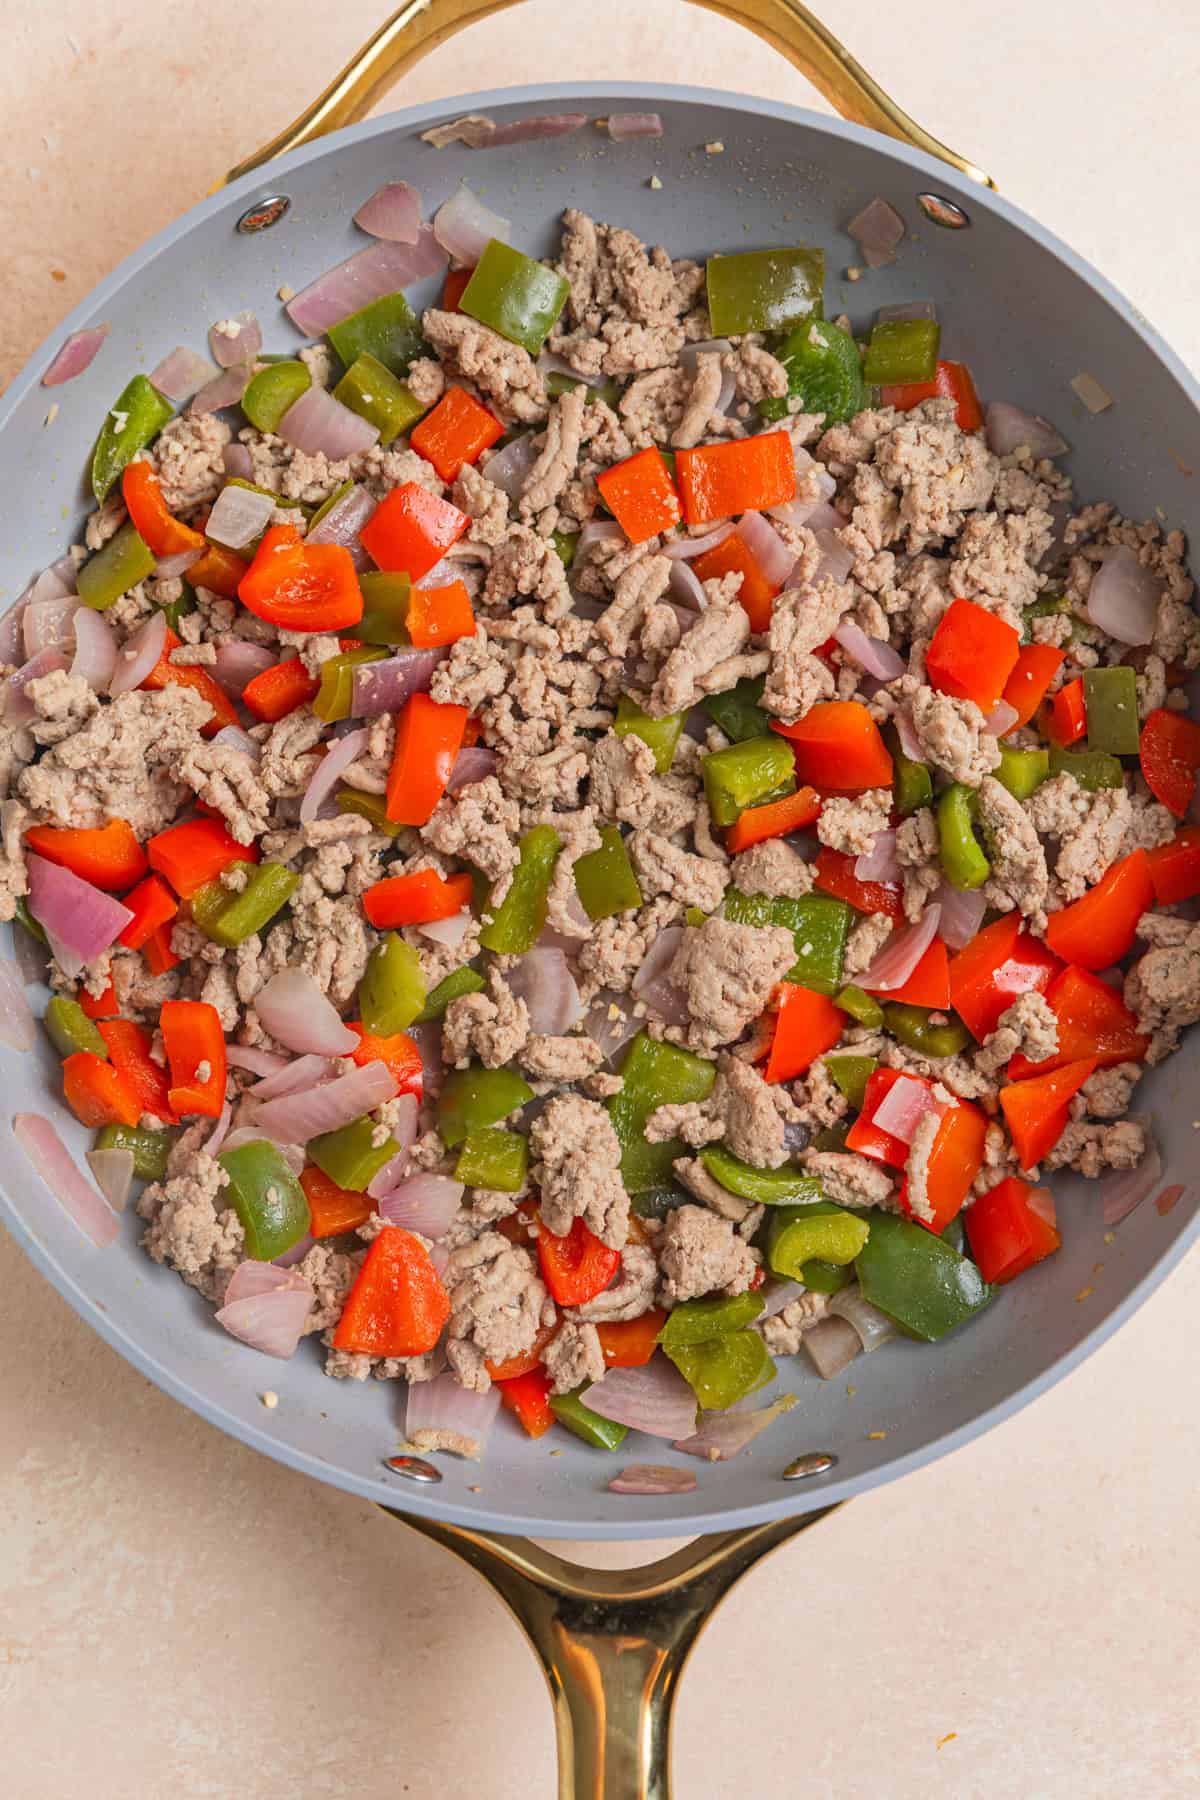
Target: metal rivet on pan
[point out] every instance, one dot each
(413, 1468)
(817, 1462)
(940, 211)
(263, 214)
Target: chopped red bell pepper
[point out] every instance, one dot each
(279, 690)
(1093, 1020)
(1010, 1228)
(640, 495)
(455, 287)
(972, 654)
(152, 904)
(951, 382)
(194, 852)
(157, 527)
(428, 739)
(332, 1210)
(1001, 962)
(929, 983)
(109, 856)
(834, 874)
(1037, 1110)
(219, 571)
(717, 481)
(129, 1050)
(1175, 867)
(838, 748)
(955, 1159)
(524, 1360)
(102, 1006)
(158, 952)
(165, 673)
(302, 586)
(806, 1025)
(733, 557)
(397, 1306)
(411, 530)
(439, 616)
(576, 1267)
(397, 1050)
(97, 1092)
(867, 1138)
(457, 431)
(1034, 670)
(775, 819)
(1098, 930)
(1064, 719)
(1170, 756)
(415, 899)
(194, 1041)
(630, 1343)
(528, 1396)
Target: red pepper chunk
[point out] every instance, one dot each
(929, 983)
(640, 495)
(1093, 1020)
(1034, 670)
(102, 1006)
(195, 852)
(397, 1050)
(1170, 756)
(972, 654)
(415, 899)
(1098, 930)
(301, 586)
(438, 616)
(219, 570)
(152, 904)
(807, 1024)
(954, 1161)
(524, 1360)
(838, 748)
(733, 557)
(1036, 1111)
(457, 431)
(1175, 867)
(1010, 1228)
(129, 1050)
(409, 531)
(1001, 962)
(718, 481)
(1064, 719)
(397, 1306)
(332, 1209)
(194, 1041)
(576, 1267)
(630, 1343)
(834, 874)
(951, 382)
(158, 952)
(775, 819)
(869, 1139)
(455, 287)
(97, 1092)
(165, 673)
(279, 690)
(528, 1397)
(428, 739)
(109, 856)
(157, 527)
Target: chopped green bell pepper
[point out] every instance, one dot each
(1044, 607)
(1092, 769)
(819, 923)
(655, 1075)
(516, 922)
(902, 351)
(565, 543)
(519, 298)
(917, 1279)
(138, 415)
(178, 609)
(493, 1159)
(861, 1006)
(763, 1187)
(912, 785)
(25, 918)
(600, 1433)
(335, 696)
(604, 878)
(825, 1277)
(723, 1370)
(267, 1198)
(699, 1321)
(963, 862)
(229, 918)
(736, 777)
(850, 1075)
(369, 806)
(1111, 703)
(350, 1156)
(737, 711)
(117, 566)
(559, 383)
(910, 1025)
(832, 1137)
(824, 372)
(69, 1028)
(662, 735)
(370, 389)
(1022, 772)
(657, 1202)
(149, 1149)
(269, 393)
(392, 990)
(797, 1234)
(451, 987)
(472, 1099)
(765, 290)
(387, 329)
(385, 608)
(955, 1235)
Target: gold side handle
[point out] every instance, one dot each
(612, 1642)
(421, 25)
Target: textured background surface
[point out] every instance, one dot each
(178, 1615)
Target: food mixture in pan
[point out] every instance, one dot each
(599, 836)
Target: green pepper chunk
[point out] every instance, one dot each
(392, 990)
(825, 1277)
(1110, 701)
(327, 505)
(819, 923)
(1044, 607)
(559, 383)
(955, 1235)
(117, 566)
(369, 806)
(149, 1149)
(764, 1187)
(699, 1321)
(797, 1234)
(1092, 769)
(736, 777)
(737, 711)
(350, 1156)
(1022, 772)
(267, 1198)
(519, 298)
(565, 543)
(655, 1075)
(832, 1137)
(901, 351)
(387, 329)
(912, 784)
(516, 922)
(25, 918)
(600, 1433)
(850, 1075)
(335, 696)
(178, 609)
(662, 735)
(230, 918)
(138, 415)
(917, 1279)
(604, 878)
(765, 290)
(963, 862)
(370, 389)
(269, 393)
(910, 1025)
(472, 1099)
(824, 374)
(493, 1159)
(657, 1202)
(69, 1028)
(451, 987)
(725, 1369)
(385, 608)
(860, 1005)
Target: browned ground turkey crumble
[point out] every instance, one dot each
(927, 513)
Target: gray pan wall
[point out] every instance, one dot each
(1026, 315)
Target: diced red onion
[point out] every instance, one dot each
(832, 1345)
(836, 560)
(251, 1279)
(238, 462)
(297, 1253)
(1123, 1190)
(509, 468)
(292, 1154)
(689, 356)
(1002, 718)
(608, 1032)
(599, 531)
(1123, 598)
(549, 363)
(1009, 429)
(873, 1327)
(471, 765)
(12, 631)
(652, 1479)
(478, 132)
(895, 962)
(343, 522)
(879, 863)
(424, 1203)
(655, 1399)
(464, 227)
(113, 1173)
(139, 654)
(962, 914)
(871, 653)
(406, 1112)
(634, 125)
(903, 1107)
(178, 563)
(44, 1148)
(181, 374)
(16, 1018)
(817, 515)
(451, 932)
(372, 273)
(76, 355)
(444, 1407)
(267, 1318)
(294, 1010)
(778, 1294)
(543, 979)
(220, 1130)
(238, 662)
(319, 424)
(724, 1435)
(906, 731)
(684, 549)
(240, 346)
(239, 515)
(297, 1076)
(18, 708)
(79, 916)
(383, 687)
(256, 1062)
(234, 738)
(340, 754)
(393, 212)
(687, 586)
(95, 650)
(767, 548)
(295, 1118)
(877, 230)
(651, 983)
(48, 624)
(225, 389)
(908, 309)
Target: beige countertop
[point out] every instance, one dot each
(179, 1616)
